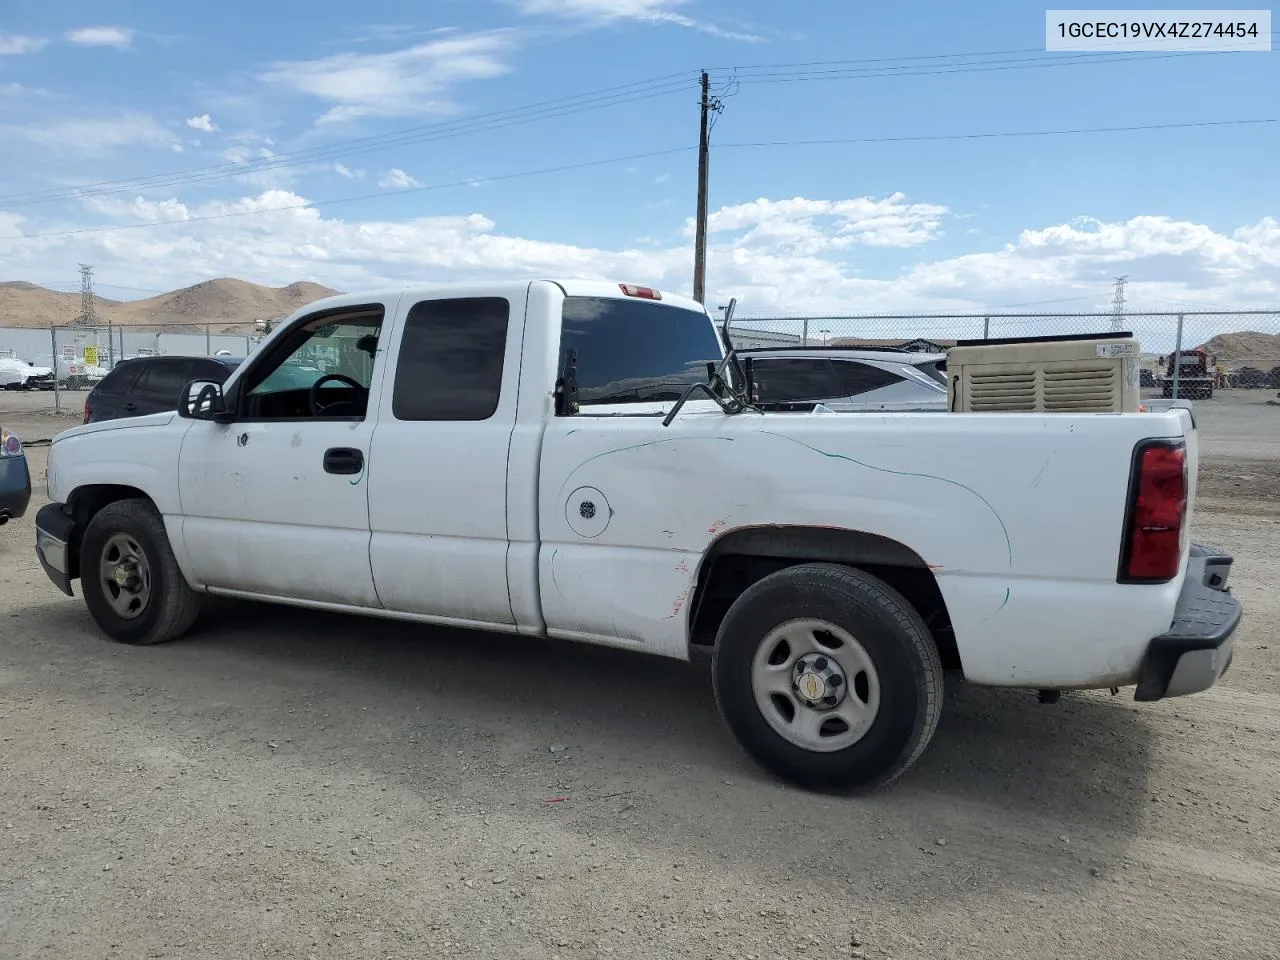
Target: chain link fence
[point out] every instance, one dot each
(1191, 354)
(77, 357)
(1232, 351)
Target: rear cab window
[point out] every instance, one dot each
(635, 351)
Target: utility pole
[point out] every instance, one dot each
(710, 106)
(1117, 305)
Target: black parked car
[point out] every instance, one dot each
(145, 385)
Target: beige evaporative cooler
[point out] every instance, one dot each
(1096, 372)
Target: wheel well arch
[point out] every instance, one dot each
(83, 503)
(740, 557)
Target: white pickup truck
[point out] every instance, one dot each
(514, 457)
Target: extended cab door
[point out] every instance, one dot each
(438, 476)
(275, 504)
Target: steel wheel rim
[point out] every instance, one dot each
(791, 657)
(125, 574)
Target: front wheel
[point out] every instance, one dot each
(828, 677)
(131, 581)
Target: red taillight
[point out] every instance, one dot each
(10, 445)
(87, 411)
(645, 293)
(1153, 542)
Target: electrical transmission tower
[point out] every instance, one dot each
(1117, 305)
(87, 316)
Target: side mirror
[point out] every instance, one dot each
(202, 400)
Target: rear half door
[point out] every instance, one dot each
(438, 463)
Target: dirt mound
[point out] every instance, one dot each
(1247, 345)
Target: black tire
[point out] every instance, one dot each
(172, 606)
(894, 638)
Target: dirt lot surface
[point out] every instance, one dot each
(284, 784)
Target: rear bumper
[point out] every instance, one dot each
(15, 488)
(1196, 650)
(55, 545)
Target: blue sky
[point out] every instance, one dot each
(151, 89)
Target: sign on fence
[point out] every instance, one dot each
(91, 356)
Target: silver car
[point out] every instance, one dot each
(848, 380)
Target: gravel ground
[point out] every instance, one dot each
(295, 785)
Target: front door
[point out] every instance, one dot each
(275, 504)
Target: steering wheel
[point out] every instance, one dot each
(319, 409)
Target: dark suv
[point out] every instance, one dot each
(145, 385)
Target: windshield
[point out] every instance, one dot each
(636, 350)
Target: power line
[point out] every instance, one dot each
(366, 196)
(624, 94)
(641, 156)
(494, 120)
(997, 135)
(924, 70)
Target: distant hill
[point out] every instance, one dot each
(227, 304)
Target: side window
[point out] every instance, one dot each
(796, 381)
(451, 359)
(863, 377)
(338, 347)
(121, 379)
(162, 381)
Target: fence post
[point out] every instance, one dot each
(208, 342)
(805, 341)
(1177, 358)
(986, 328)
(57, 390)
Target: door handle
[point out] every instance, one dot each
(343, 460)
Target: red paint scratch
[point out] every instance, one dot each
(678, 605)
(682, 567)
(717, 527)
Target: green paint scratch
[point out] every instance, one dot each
(1007, 592)
(634, 446)
(908, 473)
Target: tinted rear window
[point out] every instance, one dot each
(121, 378)
(863, 377)
(795, 380)
(163, 380)
(636, 350)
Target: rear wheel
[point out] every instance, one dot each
(828, 677)
(132, 585)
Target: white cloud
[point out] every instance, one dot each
(804, 264)
(119, 37)
(398, 179)
(13, 44)
(344, 171)
(810, 226)
(203, 122)
(417, 80)
(604, 12)
(95, 135)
